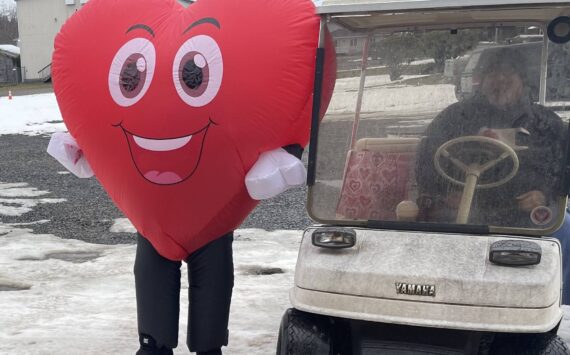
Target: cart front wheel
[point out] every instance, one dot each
(304, 333)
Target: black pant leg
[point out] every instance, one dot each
(157, 284)
(211, 279)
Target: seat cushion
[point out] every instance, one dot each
(374, 183)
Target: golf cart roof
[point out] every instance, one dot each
(365, 15)
(341, 6)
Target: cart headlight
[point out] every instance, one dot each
(334, 238)
(515, 253)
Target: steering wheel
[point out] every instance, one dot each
(474, 170)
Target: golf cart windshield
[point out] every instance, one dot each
(449, 126)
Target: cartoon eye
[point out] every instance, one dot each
(198, 69)
(131, 71)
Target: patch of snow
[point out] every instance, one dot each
(9, 48)
(122, 225)
(30, 115)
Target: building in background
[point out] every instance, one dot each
(347, 43)
(9, 64)
(38, 23)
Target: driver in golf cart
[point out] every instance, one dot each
(518, 181)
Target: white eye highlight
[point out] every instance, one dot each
(141, 64)
(199, 61)
(131, 71)
(198, 70)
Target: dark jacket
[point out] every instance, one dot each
(540, 165)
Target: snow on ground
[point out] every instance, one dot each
(9, 48)
(423, 61)
(123, 225)
(17, 206)
(351, 84)
(382, 95)
(61, 296)
(31, 115)
(78, 298)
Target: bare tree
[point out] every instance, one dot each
(8, 26)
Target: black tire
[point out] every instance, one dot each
(486, 344)
(304, 333)
(529, 344)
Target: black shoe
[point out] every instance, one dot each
(155, 351)
(148, 347)
(210, 352)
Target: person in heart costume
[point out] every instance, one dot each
(181, 114)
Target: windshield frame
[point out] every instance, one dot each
(424, 226)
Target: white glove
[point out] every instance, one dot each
(65, 150)
(273, 173)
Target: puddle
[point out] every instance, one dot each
(76, 257)
(259, 270)
(14, 287)
(29, 258)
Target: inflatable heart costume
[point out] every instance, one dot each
(172, 106)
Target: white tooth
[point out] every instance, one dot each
(161, 145)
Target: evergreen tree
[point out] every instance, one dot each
(442, 45)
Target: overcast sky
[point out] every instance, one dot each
(4, 3)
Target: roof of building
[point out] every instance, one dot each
(10, 50)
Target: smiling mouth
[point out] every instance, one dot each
(167, 161)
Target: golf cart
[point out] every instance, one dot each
(424, 244)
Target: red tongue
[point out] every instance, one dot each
(168, 167)
(163, 178)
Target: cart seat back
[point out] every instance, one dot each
(379, 174)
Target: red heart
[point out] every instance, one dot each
(354, 185)
(364, 201)
(364, 172)
(541, 215)
(377, 159)
(172, 106)
(375, 188)
(352, 212)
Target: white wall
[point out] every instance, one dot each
(38, 23)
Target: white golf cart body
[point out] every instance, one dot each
(469, 292)
(401, 270)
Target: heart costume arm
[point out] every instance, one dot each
(65, 150)
(273, 173)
